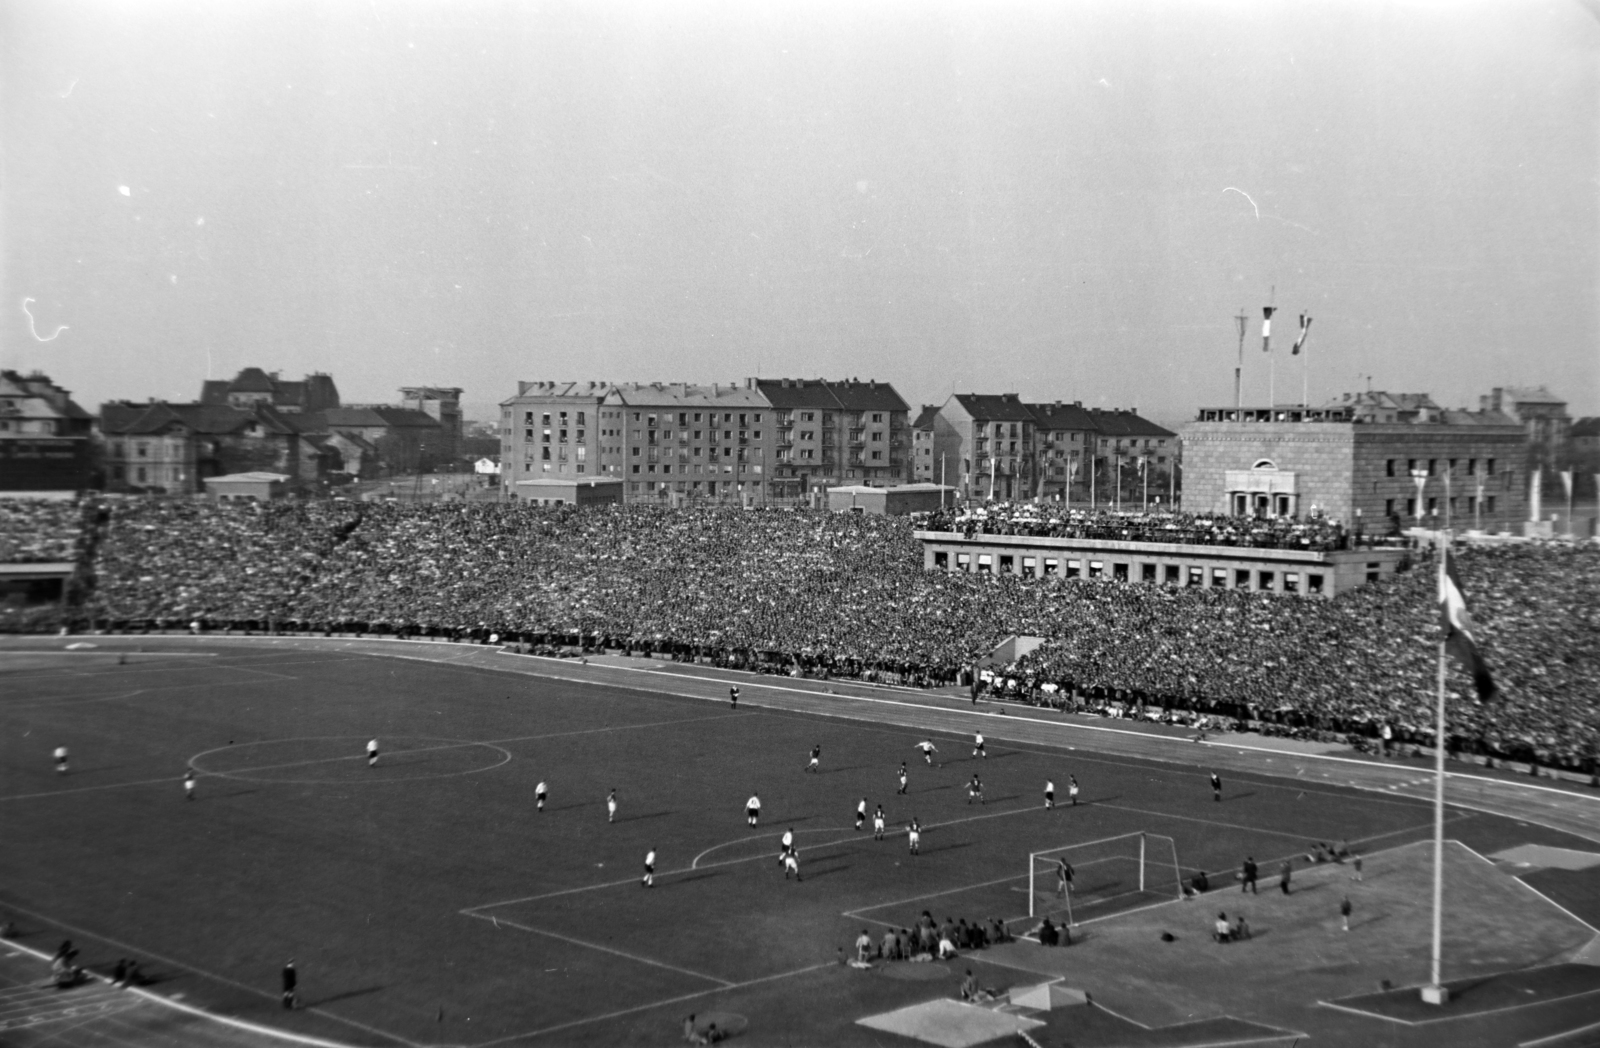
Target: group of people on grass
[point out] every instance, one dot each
(817, 593)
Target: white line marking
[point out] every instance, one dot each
(607, 949)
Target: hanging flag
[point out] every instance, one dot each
(1457, 626)
(1266, 327)
(1566, 481)
(1305, 328)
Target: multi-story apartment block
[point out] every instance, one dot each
(1064, 436)
(1132, 454)
(554, 430)
(983, 444)
(833, 433)
(691, 441)
(922, 465)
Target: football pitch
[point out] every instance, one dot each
(426, 901)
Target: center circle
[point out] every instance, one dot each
(342, 759)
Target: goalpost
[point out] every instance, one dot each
(1127, 868)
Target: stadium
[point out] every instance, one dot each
(427, 897)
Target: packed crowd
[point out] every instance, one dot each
(1053, 520)
(814, 593)
(40, 530)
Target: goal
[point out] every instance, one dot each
(1113, 873)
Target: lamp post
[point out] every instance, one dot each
(1144, 472)
(1117, 483)
(1477, 500)
(1448, 501)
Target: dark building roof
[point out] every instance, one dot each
(1586, 427)
(1116, 423)
(1061, 416)
(126, 419)
(313, 393)
(925, 417)
(846, 395)
(995, 407)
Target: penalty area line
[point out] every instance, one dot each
(603, 949)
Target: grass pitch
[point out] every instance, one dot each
(425, 901)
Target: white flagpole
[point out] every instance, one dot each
(1434, 992)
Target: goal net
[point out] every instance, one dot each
(1108, 875)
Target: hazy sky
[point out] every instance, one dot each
(1069, 200)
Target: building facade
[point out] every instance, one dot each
(680, 441)
(984, 445)
(1543, 415)
(1064, 438)
(443, 405)
(922, 467)
(552, 430)
(1375, 461)
(836, 432)
(46, 439)
(1134, 459)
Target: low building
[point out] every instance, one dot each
(46, 441)
(1374, 461)
(561, 491)
(259, 487)
(166, 448)
(1283, 571)
(901, 500)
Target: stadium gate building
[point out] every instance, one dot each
(1359, 460)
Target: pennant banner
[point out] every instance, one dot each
(1305, 329)
(1266, 327)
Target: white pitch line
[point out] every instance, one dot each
(607, 949)
(655, 1004)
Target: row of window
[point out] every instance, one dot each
(708, 487)
(1461, 504)
(1193, 577)
(1432, 466)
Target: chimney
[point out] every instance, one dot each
(1077, 403)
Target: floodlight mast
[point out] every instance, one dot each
(1242, 322)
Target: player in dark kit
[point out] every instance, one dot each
(291, 979)
(1247, 876)
(733, 696)
(975, 789)
(877, 824)
(539, 793)
(1216, 786)
(902, 788)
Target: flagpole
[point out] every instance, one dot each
(1434, 992)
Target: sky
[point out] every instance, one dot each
(1068, 199)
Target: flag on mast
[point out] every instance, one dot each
(1266, 327)
(1457, 626)
(1305, 329)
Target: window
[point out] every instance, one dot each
(1097, 568)
(546, 437)
(563, 437)
(1388, 507)
(1490, 468)
(1291, 582)
(546, 420)
(1389, 467)
(1197, 578)
(941, 560)
(1313, 583)
(1051, 565)
(1264, 580)
(1029, 567)
(1172, 575)
(1411, 507)
(964, 561)
(545, 454)
(1147, 573)
(1119, 572)
(1219, 578)
(527, 418)
(1073, 567)
(636, 465)
(1488, 503)
(1008, 564)
(1241, 578)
